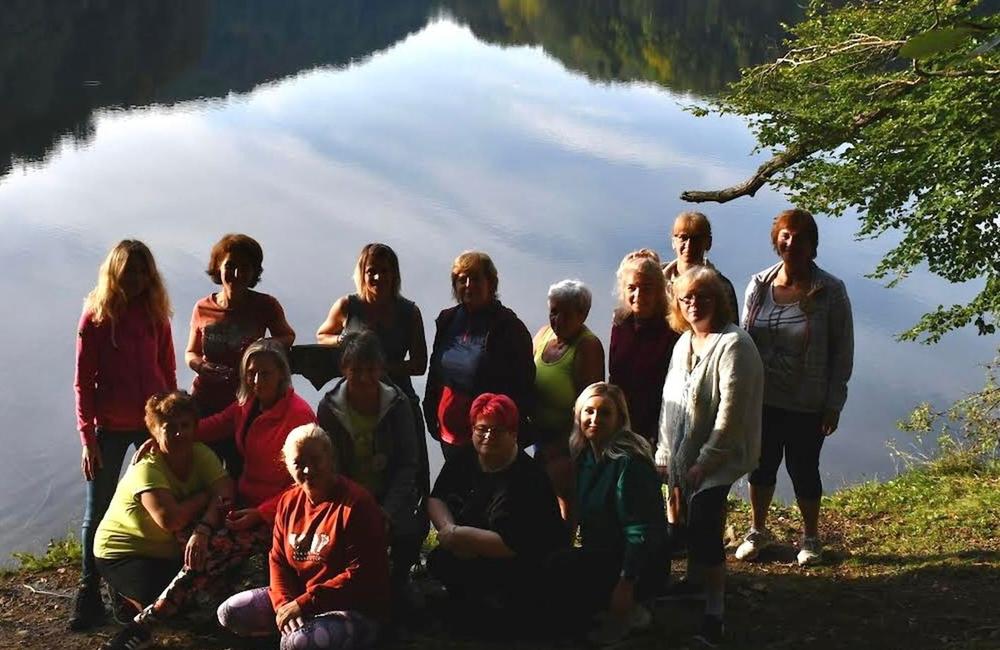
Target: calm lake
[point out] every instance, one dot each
(550, 133)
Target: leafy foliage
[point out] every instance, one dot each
(968, 432)
(890, 108)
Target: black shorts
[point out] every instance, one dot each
(139, 578)
(799, 438)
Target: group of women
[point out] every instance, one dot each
(340, 498)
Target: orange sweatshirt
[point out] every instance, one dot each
(330, 556)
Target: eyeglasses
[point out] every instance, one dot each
(481, 430)
(692, 298)
(685, 237)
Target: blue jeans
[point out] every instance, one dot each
(113, 445)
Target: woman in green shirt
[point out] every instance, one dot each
(180, 485)
(621, 515)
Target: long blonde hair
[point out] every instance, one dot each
(107, 300)
(646, 262)
(624, 441)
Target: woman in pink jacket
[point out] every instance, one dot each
(124, 354)
(265, 411)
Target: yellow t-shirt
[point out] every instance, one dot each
(368, 465)
(128, 528)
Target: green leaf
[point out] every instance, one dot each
(935, 41)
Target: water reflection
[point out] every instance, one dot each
(60, 60)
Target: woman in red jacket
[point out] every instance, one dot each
(266, 410)
(124, 354)
(329, 566)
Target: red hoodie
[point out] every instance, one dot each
(264, 475)
(330, 556)
(118, 366)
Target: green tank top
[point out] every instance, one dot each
(555, 390)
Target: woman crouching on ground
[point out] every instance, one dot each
(709, 428)
(497, 518)
(377, 443)
(164, 509)
(328, 562)
(266, 410)
(622, 527)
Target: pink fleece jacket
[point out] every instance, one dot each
(118, 366)
(264, 475)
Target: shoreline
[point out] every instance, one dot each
(911, 562)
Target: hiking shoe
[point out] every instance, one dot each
(711, 632)
(810, 551)
(755, 542)
(131, 637)
(88, 608)
(683, 590)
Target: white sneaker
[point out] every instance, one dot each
(810, 551)
(755, 542)
(610, 631)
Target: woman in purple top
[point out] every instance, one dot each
(641, 339)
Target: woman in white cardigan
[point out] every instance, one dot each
(709, 427)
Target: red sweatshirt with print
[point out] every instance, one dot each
(330, 556)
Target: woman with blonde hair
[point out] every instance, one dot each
(641, 339)
(709, 428)
(124, 354)
(480, 346)
(620, 511)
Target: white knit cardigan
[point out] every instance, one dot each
(711, 415)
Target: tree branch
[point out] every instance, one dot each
(749, 187)
(794, 154)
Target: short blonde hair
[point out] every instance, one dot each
(304, 433)
(645, 262)
(707, 278)
(475, 260)
(694, 221)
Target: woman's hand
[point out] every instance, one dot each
(831, 419)
(289, 617)
(695, 475)
(622, 599)
(196, 549)
(214, 371)
(244, 519)
(144, 450)
(91, 460)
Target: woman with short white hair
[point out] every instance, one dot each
(568, 358)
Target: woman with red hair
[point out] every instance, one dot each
(496, 517)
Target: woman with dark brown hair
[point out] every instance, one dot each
(224, 323)
(800, 318)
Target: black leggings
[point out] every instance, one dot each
(706, 524)
(799, 438)
(139, 578)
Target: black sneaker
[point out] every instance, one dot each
(88, 608)
(131, 637)
(711, 631)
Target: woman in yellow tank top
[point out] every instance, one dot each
(568, 358)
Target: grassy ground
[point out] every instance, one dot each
(911, 563)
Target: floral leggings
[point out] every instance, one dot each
(250, 613)
(226, 549)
